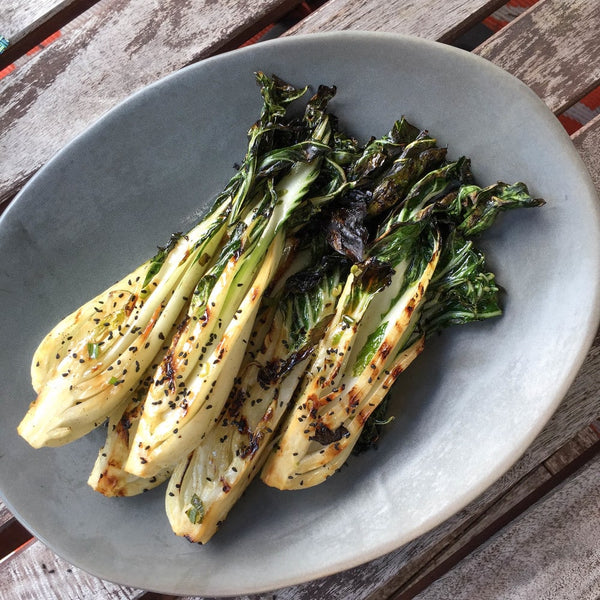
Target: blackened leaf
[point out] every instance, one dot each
(275, 370)
(346, 231)
(373, 275)
(308, 279)
(480, 207)
(325, 436)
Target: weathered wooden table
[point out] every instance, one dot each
(533, 534)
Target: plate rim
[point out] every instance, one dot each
(576, 360)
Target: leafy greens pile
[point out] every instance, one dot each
(266, 338)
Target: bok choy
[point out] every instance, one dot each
(262, 344)
(218, 471)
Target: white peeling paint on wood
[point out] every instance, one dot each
(5, 515)
(122, 46)
(554, 49)
(433, 20)
(37, 573)
(17, 16)
(552, 551)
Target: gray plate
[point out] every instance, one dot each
(465, 411)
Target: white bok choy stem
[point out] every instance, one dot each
(170, 428)
(207, 483)
(55, 346)
(317, 427)
(324, 461)
(89, 364)
(187, 396)
(108, 475)
(101, 350)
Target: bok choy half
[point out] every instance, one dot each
(262, 344)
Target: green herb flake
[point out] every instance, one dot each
(196, 513)
(114, 381)
(368, 351)
(93, 350)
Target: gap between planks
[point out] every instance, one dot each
(12, 537)
(441, 558)
(42, 28)
(530, 489)
(228, 29)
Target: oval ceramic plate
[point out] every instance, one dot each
(465, 411)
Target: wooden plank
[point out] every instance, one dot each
(552, 551)
(587, 142)
(569, 452)
(17, 17)
(437, 20)
(27, 24)
(5, 515)
(458, 540)
(118, 47)
(36, 572)
(583, 448)
(553, 48)
(12, 536)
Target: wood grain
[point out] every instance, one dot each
(5, 515)
(552, 551)
(39, 573)
(587, 142)
(118, 47)
(28, 24)
(437, 20)
(18, 17)
(144, 38)
(35, 34)
(553, 48)
(575, 448)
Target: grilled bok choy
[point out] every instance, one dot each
(190, 386)
(390, 285)
(89, 364)
(108, 475)
(207, 483)
(439, 278)
(265, 340)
